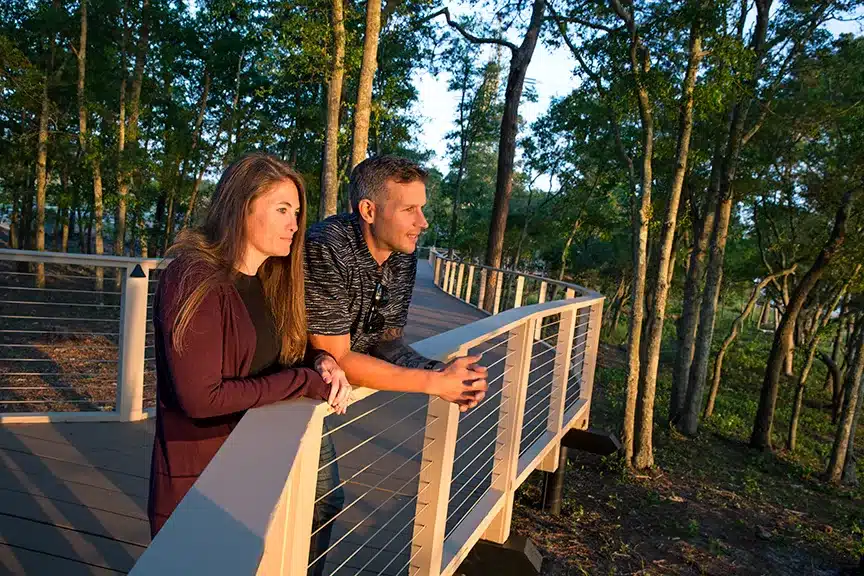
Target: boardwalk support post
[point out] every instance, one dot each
(133, 333)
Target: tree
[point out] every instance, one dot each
(644, 456)
(763, 424)
(363, 108)
(479, 106)
(520, 59)
(329, 178)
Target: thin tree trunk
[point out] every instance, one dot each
(329, 175)
(763, 424)
(130, 136)
(711, 294)
(457, 199)
(368, 67)
(834, 473)
(181, 183)
(850, 472)
(92, 159)
(122, 186)
(737, 325)
(640, 65)
(63, 211)
(42, 156)
(98, 217)
(692, 294)
(13, 222)
(792, 439)
(234, 103)
(644, 457)
(190, 212)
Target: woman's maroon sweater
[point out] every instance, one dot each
(203, 392)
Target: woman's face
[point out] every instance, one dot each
(273, 219)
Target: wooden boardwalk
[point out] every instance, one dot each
(73, 496)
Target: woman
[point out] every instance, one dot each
(230, 325)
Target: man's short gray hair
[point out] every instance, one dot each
(369, 178)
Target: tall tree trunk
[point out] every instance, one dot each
(711, 294)
(692, 300)
(329, 175)
(98, 218)
(42, 155)
(130, 136)
(640, 66)
(763, 424)
(521, 58)
(368, 67)
(90, 158)
(737, 325)
(834, 473)
(122, 186)
(644, 457)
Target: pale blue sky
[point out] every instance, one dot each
(550, 69)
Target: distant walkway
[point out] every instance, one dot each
(73, 495)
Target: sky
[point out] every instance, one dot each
(550, 71)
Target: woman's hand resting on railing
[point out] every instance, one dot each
(340, 389)
(461, 381)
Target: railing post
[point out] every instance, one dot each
(520, 287)
(437, 274)
(592, 345)
(447, 268)
(470, 284)
(133, 334)
(484, 273)
(540, 300)
(510, 418)
(560, 376)
(430, 256)
(452, 282)
(288, 539)
(498, 286)
(459, 279)
(436, 473)
(570, 293)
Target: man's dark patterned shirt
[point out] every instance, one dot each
(341, 276)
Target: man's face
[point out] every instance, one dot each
(399, 220)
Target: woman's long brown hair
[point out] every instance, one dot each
(220, 243)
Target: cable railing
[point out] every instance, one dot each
(74, 338)
(419, 483)
(468, 281)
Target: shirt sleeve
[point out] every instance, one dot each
(327, 301)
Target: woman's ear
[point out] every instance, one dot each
(366, 208)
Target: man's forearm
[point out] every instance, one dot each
(398, 353)
(369, 372)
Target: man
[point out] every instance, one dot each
(360, 271)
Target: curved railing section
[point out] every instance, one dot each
(74, 338)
